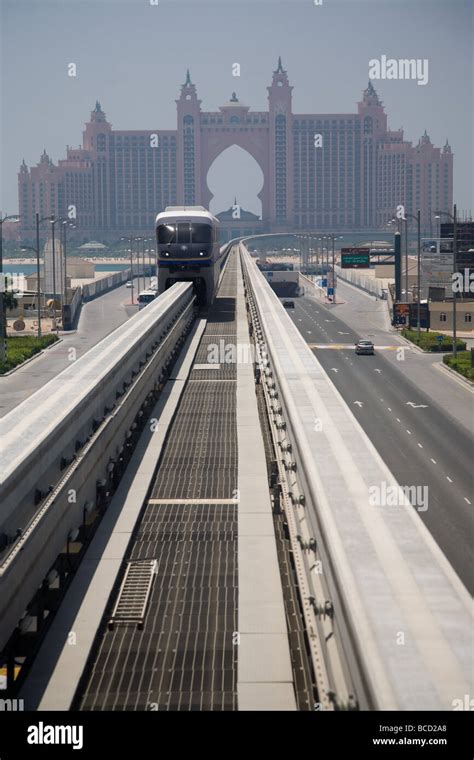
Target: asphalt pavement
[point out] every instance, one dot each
(423, 444)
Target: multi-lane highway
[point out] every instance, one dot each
(421, 443)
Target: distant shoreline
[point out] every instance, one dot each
(94, 259)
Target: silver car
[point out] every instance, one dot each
(364, 347)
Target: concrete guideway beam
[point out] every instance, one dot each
(405, 617)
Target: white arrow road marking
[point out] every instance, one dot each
(377, 370)
(342, 333)
(334, 369)
(416, 406)
(329, 320)
(359, 403)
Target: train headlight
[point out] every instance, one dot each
(202, 253)
(165, 253)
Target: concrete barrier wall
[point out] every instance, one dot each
(362, 281)
(96, 404)
(95, 289)
(72, 309)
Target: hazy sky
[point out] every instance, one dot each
(133, 56)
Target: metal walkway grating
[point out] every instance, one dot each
(184, 658)
(134, 593)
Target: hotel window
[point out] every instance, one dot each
(467, 318)
(442, 317)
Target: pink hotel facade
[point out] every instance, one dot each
(352, 177)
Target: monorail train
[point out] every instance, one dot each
(188, 250)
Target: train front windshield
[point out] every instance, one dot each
(184, 233)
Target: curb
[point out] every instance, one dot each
(421, 350)
(32, 358)
(455, 375)
(413, 346)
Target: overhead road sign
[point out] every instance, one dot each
(355, 258)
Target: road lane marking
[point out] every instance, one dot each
(420, 445)
(349, 346)
(466, 499)
(448, 478)
(409, 432)
(433, 460)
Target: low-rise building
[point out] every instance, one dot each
(441, 315)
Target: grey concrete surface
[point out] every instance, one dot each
(265, 678)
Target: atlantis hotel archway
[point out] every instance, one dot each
(265, 135)
(233, 174)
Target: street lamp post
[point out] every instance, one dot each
(417, 219)
(62, 277)
(64, 229)
(406, 255)
(3, 335)
(131, 265)
(454, 220)
(333, 236)
(38, 273)
(144, 244)
(36, 249)
(38, 287)
(327, 264)
(138, 239)
(129, 239)
(418, 270)
(53, 242)
(65, 224)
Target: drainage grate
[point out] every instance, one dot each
(134, 593)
